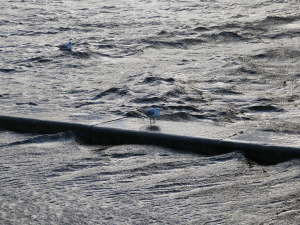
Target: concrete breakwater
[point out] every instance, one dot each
(264, 152)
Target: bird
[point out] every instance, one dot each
(66, 46)
(152, 113)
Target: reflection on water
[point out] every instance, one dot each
(153, 128)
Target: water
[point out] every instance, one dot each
(223, 61)
(51, 179)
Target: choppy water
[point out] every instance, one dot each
(225, 61)
(51, 179)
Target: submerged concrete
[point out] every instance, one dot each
(201, 137)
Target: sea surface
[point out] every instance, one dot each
(52, 179)
(225, 61)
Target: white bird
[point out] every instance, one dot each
(152, 113)
(66, 46)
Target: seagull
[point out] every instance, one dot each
(66, 46)
(152, 113)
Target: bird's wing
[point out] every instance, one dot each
(149, 112)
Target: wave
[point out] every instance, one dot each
(7, 70)
(113, 90)
(40, 59)
(151, 79)
(225, 91)
(27, 103)
(278, 54)
(60, 137)
(276, 20)
(264, 108)
(147, 100)
(224, 36)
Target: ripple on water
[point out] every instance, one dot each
(53, 171)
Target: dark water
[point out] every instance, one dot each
(51, 179)
(224, 61)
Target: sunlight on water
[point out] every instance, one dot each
(220, 61)
(51, 179)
